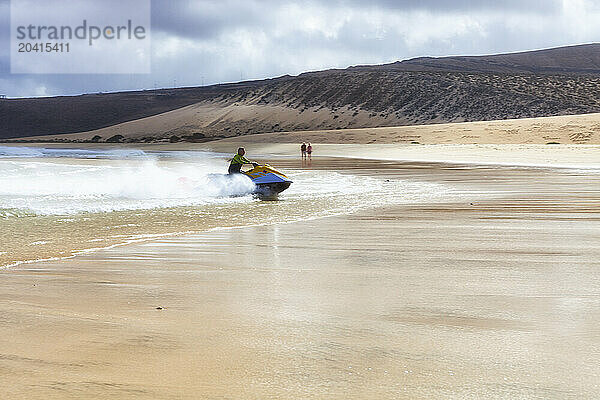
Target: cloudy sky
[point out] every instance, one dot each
(196, 42)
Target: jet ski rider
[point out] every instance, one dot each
(235, 167)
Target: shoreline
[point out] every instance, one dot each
(152, 226)
(164, 236)
(585, 156)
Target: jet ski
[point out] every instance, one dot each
(268, 181)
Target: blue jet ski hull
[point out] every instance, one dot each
(269, 182)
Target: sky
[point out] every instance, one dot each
(196, 42)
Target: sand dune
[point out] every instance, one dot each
(415, 92)
(212, 119)
(570, 129)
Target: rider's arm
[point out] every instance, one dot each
(240, 159)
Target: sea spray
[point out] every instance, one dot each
(48, 186)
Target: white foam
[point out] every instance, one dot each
(41, 152)
(56, 187)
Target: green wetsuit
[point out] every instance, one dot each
(236, 164)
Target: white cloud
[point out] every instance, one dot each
(229, 40)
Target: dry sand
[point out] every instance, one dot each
(495, 298)
(571, 156)
(568, 129)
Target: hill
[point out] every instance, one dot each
(570, 60)
(541, 83)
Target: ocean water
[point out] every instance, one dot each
(58, 202)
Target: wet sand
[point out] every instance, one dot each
(493, 298)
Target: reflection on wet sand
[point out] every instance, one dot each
(489, 297)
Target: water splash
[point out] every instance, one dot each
(125, 180)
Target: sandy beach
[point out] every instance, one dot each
(491, 295)
(564, 129)
(283, 200)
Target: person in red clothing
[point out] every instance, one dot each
(309, 150)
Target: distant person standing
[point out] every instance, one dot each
(309, 150)
(303, 150)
